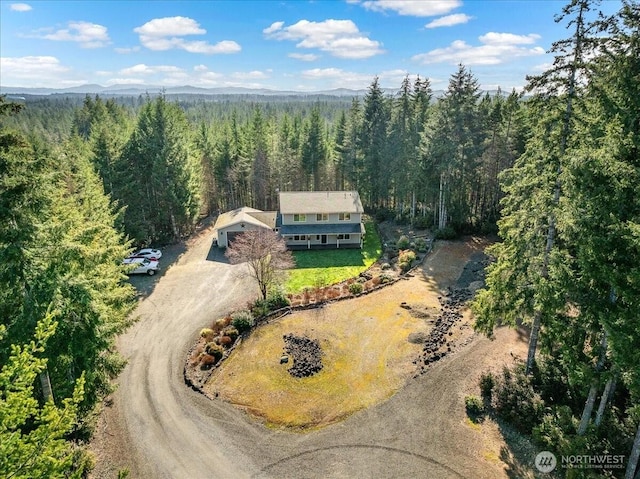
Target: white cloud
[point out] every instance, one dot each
(31, 70)
(305, 57)
(337, 78)
(200, 68)
(125, 50)
(162, 34)
(493, 38)
(497, 48)
(142, 69)
(252, 75)
(414, 8)
(88, 35)
(125, 81)
(170, 26)
(275, 26)
(449, 20)
(340, 38)
(20, 7)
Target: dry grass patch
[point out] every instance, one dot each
(366, 358)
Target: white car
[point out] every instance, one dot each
(149, 253)
(142, 266)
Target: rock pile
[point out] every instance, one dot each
(306, 354)
(437, 344)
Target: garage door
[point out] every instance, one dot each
(231, 235)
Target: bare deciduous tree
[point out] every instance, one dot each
(266, 254)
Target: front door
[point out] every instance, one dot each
(323, 239)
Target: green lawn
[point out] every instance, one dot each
(325, 267)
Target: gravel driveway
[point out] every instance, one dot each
(158, 428)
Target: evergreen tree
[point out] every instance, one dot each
(32, 435)
(160, 175)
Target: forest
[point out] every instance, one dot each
(553, 170)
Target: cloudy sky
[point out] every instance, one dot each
(283, 45)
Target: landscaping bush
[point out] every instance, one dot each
(385, 266)
(207, 334)
(421, 245)
(225, 341)
(277, 299)
(221, 323)
(446, 233)
(405, 259)
(259, 308)
(232, 332)
(385, 278)
(473, 405)
(403, 242)
(355, 288)
(207, 360)
(242, 321)
(214, 349)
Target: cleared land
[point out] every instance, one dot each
(367, 354)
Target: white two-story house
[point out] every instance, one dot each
(321, 219)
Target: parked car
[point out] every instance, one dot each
(149, 253)
(142, 266)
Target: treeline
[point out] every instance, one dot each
(432, 161)
(569, 263)
(64, 298)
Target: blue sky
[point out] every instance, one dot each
(281, 45)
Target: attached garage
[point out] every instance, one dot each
(232, 223)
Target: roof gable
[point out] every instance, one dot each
(266, 219)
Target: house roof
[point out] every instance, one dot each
(308, 202)
(265, 219)
(316, 229)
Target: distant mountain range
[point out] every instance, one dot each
(127, 90)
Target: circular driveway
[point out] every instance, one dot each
(157, 427)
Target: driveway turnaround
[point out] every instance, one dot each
(156, 427)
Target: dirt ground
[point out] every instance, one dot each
(157, 427)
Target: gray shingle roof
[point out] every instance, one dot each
(308, 202)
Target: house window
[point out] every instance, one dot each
(299, 237)
(299, 218)
(322, 217)
(344, 216)
(344, 237)
(317, 237)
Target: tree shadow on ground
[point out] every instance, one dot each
(519, 454)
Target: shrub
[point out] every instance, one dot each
(385, 266)
(473, 405)
(385, 214)
(207, 360)
(405, 259)
(355, 288)
(487, 382)
(232, 332)
(214, 349)
(421, 245)
(207, 334)
(516, 401)
(277, 299)
(242, 321)
(446, 233)
(385, 278)
(376, 280)
(259, 308)
(403, 242)
(221, 323)
(422, 222)
(225, 341)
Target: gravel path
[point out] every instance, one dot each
(157, 427)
